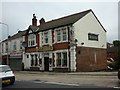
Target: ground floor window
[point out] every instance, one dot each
(34, 60)
(61, 60)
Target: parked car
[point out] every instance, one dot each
(6, 75)
(119, 74)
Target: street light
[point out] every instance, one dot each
(7, 39)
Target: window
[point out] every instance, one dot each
(58, 35)
(31, 40)
(61, 60)
(40, 61)
(36, 60)
(61, 35)
(46, 37)
(32, 60)
(50, 61)
(6, 47)
(2, 48)
(58, 59)
(64, 34)
(21, 44)
(14, 45)
(92, 37)
(64, 62)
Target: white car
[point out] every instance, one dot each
(6, 75)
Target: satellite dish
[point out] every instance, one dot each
(24, 44)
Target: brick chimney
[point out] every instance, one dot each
(42, 21)
(34, 20)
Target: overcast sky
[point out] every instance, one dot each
(18, 15)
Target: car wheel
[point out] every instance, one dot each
(12, 81)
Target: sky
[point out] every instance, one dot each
(18, 15)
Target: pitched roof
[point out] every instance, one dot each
(17, 35)
(67, 20)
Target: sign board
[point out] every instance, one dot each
(16, 55)
(45, 48)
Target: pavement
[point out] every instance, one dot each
(113, 73)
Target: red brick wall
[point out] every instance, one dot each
(60, 69)
(34, 68)
(37, 40)
(86, 59)
(31, 49)
(52, 36)
(61, 46)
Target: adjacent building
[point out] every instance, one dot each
(72, 43)
(11, 51)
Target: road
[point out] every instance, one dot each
(45, 80)
(40, 84)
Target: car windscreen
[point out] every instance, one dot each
(4, 69)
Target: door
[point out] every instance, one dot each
(46, 63)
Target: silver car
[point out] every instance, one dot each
(6, 74)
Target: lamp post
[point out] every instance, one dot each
(7, 39)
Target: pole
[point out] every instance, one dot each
(7, 39)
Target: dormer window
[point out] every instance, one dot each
(31, 40)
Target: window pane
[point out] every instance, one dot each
(36, 60)
(59, 59)
(58, 36)
(32, 60)
(92, 37)
(64, 62)
(46, 37)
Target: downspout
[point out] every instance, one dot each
(69, 49)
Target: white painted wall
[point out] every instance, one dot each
(89, 24)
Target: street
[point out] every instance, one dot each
(58, 80)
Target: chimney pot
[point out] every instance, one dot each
(34, 20)
(42, 21)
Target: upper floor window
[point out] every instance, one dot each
(61, 35)
(14, 45)
(64, 33)
(21, 44)
(58, 35)
(2, 47)
(6, 46)
(46, 37)
(93, 36)
(31, 40)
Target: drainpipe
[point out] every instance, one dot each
(69, 49)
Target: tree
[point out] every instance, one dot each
(117, 44)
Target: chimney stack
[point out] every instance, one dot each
(42, 21)
(34, 20)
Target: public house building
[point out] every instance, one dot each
(72, 43)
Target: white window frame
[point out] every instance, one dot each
(14, 46)
(30, 38)
(61, 66)
(44, 37)
(61, 35)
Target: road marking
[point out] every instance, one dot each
(117, 87)
(56, 83)
(62, 83)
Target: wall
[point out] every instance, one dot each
(89, 24)
(90, 59)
